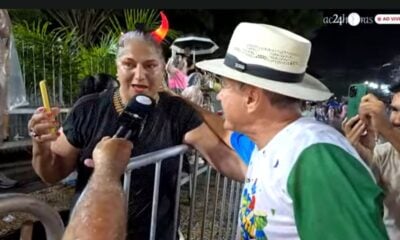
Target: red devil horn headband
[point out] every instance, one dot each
(160, 33)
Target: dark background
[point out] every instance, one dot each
(346, 54)
(341, 54)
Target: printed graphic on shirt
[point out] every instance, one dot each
(252, 221)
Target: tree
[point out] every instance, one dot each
(90, 24)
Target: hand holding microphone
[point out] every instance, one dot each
(133, 117)
(131, 121)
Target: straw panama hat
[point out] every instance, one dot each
(270, 58)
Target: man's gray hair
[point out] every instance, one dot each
(280, 100)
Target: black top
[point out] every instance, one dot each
(94, 117)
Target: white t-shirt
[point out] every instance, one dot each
(309, 183)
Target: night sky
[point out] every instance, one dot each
(345, 54)
(362, 46)
(340, 55)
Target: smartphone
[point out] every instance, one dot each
(356, 92)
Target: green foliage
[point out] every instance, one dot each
(36, 32)
(89, 24)
(32, 41)
(48, 55)
(28, 15)
(131, 17)
(99, 57)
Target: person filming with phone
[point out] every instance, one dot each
(362, 131)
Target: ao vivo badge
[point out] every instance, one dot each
(45, 99)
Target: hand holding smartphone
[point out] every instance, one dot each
(356, 92)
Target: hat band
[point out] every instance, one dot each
(262, 71)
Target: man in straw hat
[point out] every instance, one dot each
(304, 180)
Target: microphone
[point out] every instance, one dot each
(133, 117)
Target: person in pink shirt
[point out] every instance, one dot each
(177, 79)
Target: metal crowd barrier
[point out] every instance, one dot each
(227, 220)
(226, 205)
(156, 157)
(17, 202)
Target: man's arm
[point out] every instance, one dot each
(101, 209)
(238, 142)
(215, 123)
(224, 159)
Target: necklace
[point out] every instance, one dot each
(117, 102)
